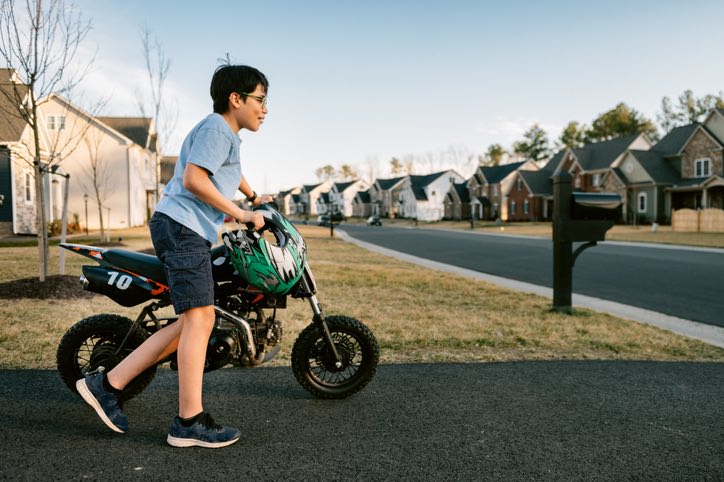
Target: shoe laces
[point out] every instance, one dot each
(209, 422)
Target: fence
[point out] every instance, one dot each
(702, 220)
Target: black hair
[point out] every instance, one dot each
(234, 78)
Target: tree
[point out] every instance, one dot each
(396, 167)
(534, 144)
(164, 120)
(688, 109)
(620, 121)
(39, 41)
(347, 172)
(325, 173)
(97, 171)
(573, 135)
(494, 155)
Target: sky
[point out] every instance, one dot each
(358, 82)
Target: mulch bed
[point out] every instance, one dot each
(54, 287)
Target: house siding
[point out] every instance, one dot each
(700, 146)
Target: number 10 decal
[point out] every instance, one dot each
(124, 281)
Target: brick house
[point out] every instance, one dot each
(457, 202)
(530, 196)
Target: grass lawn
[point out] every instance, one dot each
(418, 315)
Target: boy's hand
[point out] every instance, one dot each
(262, 200)
(250, 217)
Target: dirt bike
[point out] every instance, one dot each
(332, 358)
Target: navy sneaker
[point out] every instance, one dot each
(103, 402)
(203, 433)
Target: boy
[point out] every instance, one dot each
(183, 228)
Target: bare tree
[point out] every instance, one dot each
(97, 171)
(164, 115)
(39, 41)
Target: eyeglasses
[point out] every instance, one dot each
(260, 98)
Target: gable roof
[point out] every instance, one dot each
(495, 174)
(552, 164)
(310, 187)
(462, 191)
(673, 142)
(363, 197)
(341, 186)
(600, 155)
(539, 182)
(656, 167)
(323, 198)
(388, 183)
(135, 128)
(420, 181)
(11, 124)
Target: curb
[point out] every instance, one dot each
(710, 334)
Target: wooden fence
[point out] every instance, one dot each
(699, 221)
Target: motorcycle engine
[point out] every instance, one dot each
(221, 349)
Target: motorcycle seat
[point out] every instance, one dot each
(146, 264)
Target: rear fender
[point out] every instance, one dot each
(123, 287)
(91, 252)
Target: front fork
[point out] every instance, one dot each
(326, 335)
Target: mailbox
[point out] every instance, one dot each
(577, 217)
(595, 206)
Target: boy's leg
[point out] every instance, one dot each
(198, 323)
(159, 346)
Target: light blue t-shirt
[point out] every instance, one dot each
(215, 147)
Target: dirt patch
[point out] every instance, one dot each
(61, 287)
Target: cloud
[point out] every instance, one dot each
(507, 131)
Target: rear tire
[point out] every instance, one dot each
(356, 346)
(92, 342)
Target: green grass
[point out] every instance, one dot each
(418, 315)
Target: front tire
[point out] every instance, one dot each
(92, 342)
(312, 361)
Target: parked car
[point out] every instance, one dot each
(374, 221)
(323, 219)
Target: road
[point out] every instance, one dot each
(686, 283)
(564, 420)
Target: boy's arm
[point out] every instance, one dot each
(250, 194)
(197, 182)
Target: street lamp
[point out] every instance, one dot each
(85, 198)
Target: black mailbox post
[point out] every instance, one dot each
(577, 217)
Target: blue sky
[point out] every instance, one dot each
(360, 82)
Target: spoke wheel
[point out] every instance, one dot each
(313, 362)
(92, 343)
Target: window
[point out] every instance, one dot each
(28, 188)
(519, 185)
(642, 202)
(577, 182)
(495, 190)
(512, 208)
(525, 207)
(596, 180)
(702, 167)
(56, 122)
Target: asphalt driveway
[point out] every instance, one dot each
(497, 421)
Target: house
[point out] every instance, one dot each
(362, 204)
(124, 148)
(683, 170)
(489, 186)
(589, 164)
(457, 202)
(340, 197)
(422, 197)
(530, 196)
(168, 164)
(308, 195)
(288, 200)
(385, 196)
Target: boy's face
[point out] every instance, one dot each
(248, 111)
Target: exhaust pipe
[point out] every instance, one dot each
(254, 357)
